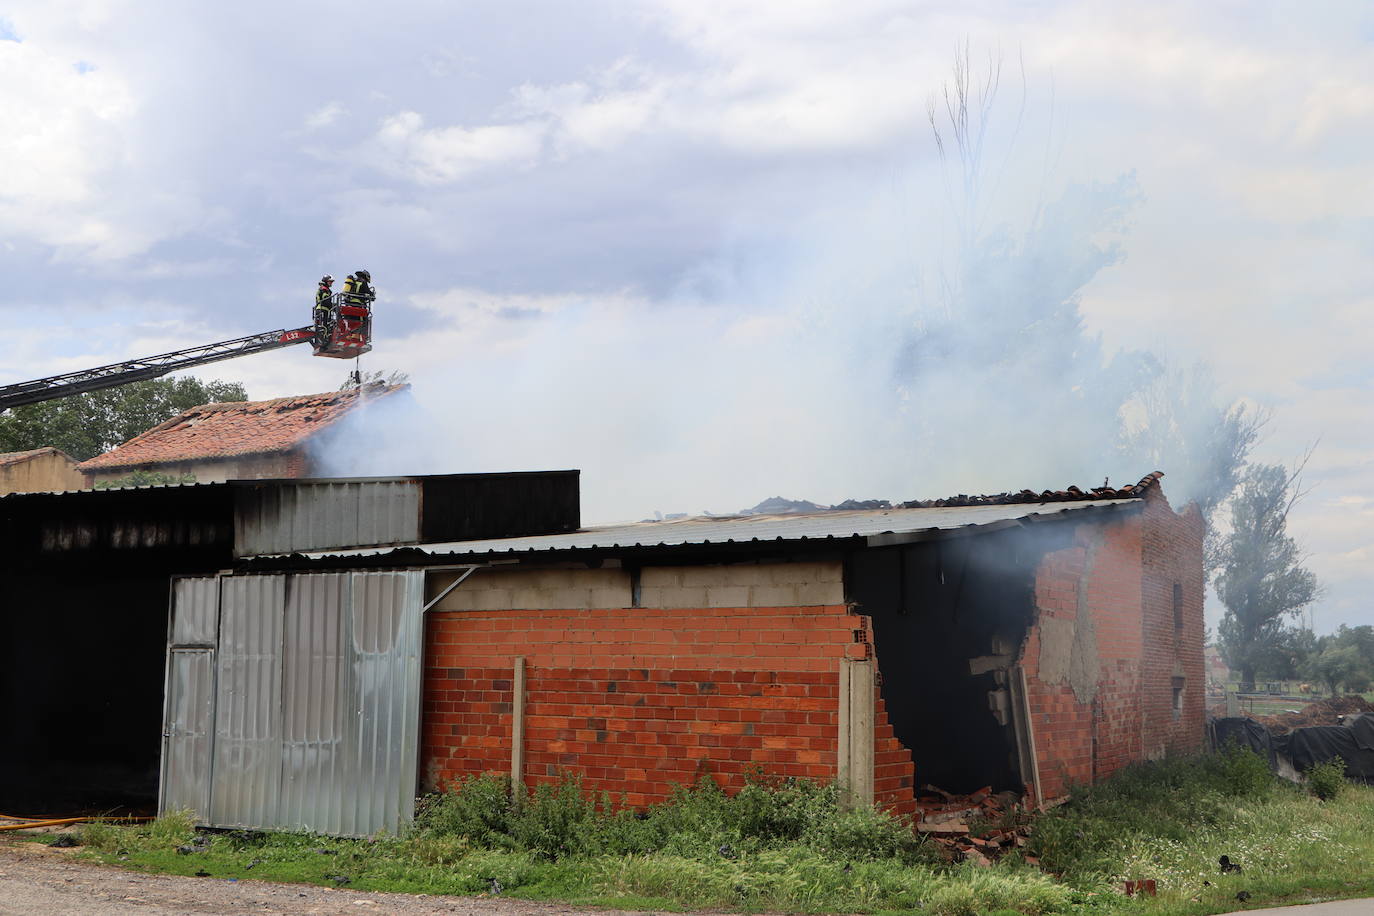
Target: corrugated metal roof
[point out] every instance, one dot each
(878, 526)
(320, 515)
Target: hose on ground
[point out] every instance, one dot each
(60, 821)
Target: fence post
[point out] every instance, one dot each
(854, 758)
(517, 728)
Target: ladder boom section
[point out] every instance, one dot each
(137, 370)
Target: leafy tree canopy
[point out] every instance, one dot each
(85, 425)
(1261, 581)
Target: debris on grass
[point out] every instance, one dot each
(1330, 711)
(979, 827)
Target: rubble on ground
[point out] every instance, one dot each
(1323, 712)
(979, 827)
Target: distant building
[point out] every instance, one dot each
(1217, 670)
(39, 470)
(237, 440)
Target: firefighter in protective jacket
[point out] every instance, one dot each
(323, 294)
(365, 294)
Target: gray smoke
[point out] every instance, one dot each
(889, 346)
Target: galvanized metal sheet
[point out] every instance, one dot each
(188, 719)
(195, 611)
(290, 517)
(306, 714)
(873, 524)
(316, 777)
(352, 701)
(387, 638)
(246, 775)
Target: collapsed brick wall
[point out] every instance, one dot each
(1102, 655)
(635, 700)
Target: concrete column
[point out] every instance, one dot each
(855, 746)
(517, 727)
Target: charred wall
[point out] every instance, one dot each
(949, 617)
(83, 632)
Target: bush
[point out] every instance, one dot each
(1246, 773)
(1326, 780)
(478, 809)
(699, 822)
(559, 819)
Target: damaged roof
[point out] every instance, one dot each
(8, 458)
(1072, 494)
(233, 428)
(874, 527)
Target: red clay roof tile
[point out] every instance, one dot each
(236, 428)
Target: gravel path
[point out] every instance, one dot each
(38, 879)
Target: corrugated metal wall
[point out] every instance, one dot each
(316, 702)
(290, 516)
(245, 772)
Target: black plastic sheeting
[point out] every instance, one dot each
(1352, 741)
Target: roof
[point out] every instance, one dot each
(8, 458)
(1072, 494)
(875, 527)
(232, 428)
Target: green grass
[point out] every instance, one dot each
(783, 845)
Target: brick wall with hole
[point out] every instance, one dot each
(703, 678)
(1116, 644)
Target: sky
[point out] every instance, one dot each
(683, 245)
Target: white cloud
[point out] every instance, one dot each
(325, 115)
(63, 135)
(403, 145)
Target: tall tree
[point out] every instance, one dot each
(1261, 579)
(86, 425)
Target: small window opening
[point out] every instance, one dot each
(1178, 696)
(1178, 608)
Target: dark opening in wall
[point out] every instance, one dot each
(949, 617)
(1179, 685)
(81, 690)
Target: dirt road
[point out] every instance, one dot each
(37, 879)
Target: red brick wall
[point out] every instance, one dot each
(1119, 575)
(1172, 553)
(635, 700)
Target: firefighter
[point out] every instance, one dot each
(365, 292)
(323, 294)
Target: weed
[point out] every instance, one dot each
(785, 845)
(1326, 780)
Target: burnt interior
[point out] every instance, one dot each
(81, 691)
(949, 617)
(83, 638)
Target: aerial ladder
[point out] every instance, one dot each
(345, 335)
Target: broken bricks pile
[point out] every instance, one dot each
(980, 827)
